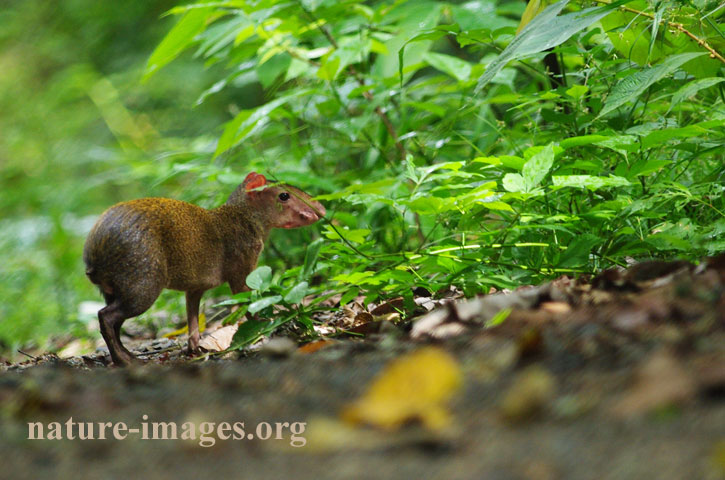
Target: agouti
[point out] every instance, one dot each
(138, 248)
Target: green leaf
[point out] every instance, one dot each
(479, 16)
(455, 67)
(334, 63)
(273, 68)
(221, 34)
(581, 141)
(253, 330)
(577, 91)
(236, 299)
(533, 8)
(537, 167)
(634, 85)
(499, 317)
(263, 303)
(313, 250)
(429, 205)
(260, 279)
(297, 293)
(578, 252)
(348, 296)
(620, 143)
(176, 41)
(410, 171)
(657, 137)
(351, 235)
(418, 16)
(645, 167)
(692, 88)
(513, 162)
(545, 31)
(592, 182)
(355, 278)
(429, 107)
(496, 205)
(514, 182)
(247, 121)
(434, 34)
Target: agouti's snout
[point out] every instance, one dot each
(138, 248)
(311, 216)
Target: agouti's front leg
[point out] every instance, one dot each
(192, 318)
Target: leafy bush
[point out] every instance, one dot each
(451, 149)
(485, 144)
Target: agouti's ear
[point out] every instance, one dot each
(254, 180)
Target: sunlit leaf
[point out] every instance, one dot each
(263, 303)
(514, 182)
(538, 166)
(176, 41)
(591, 182)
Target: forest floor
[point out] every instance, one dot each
(617, 377)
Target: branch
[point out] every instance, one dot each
(677, 26)
(361, 81)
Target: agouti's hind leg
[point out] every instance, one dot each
(192, 318)
(111, 318)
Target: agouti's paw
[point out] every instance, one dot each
(127, 360)
(194, 344)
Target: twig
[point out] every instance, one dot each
(678, 26)
(27, 354)
(361, 81)
(176, 346)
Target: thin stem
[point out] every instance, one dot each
(677, 26)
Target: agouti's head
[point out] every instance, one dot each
(284, 205)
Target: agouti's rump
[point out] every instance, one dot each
(152, 243)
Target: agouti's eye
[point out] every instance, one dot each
(284, 196)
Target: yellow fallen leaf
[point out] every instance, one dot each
(718, 458)
(416, 386)
(185, 328)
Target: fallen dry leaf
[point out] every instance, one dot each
(218, 340)
(415, 386)
(314, 346)
(328, 435)
(556, 307)
(394, 305)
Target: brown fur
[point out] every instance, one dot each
(138, 248)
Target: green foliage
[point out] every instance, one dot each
(80, 133)
(445, 162)
(275, 301)
(443, 148)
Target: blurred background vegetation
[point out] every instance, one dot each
(79, 133)
(478, 162)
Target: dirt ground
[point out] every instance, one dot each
(617, 377)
